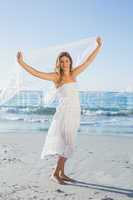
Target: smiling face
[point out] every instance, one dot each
(65, 63)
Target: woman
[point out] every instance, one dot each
(61, 134)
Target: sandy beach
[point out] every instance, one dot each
(101, 165)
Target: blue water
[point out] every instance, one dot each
(103, 113)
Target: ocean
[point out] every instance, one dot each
(102, 113)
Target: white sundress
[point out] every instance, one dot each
(60, 139)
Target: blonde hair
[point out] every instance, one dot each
(58, 68)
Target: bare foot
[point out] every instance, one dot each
(66, 178)
(57, 179)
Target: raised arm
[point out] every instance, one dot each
(52, 76)
(77, 70)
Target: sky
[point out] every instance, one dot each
(39, 24)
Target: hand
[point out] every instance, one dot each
(19, 57)
(99, 41)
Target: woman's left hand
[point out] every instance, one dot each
(99, 41)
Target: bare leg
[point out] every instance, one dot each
(61, 172)
(59, 167)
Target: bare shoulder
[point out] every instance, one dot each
(78, 69)
(73, 77)
(73, 74)
(56, 78)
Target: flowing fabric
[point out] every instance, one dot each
(44, 60)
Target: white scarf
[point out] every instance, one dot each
(44, 60)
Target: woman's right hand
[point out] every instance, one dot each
(19, 57)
